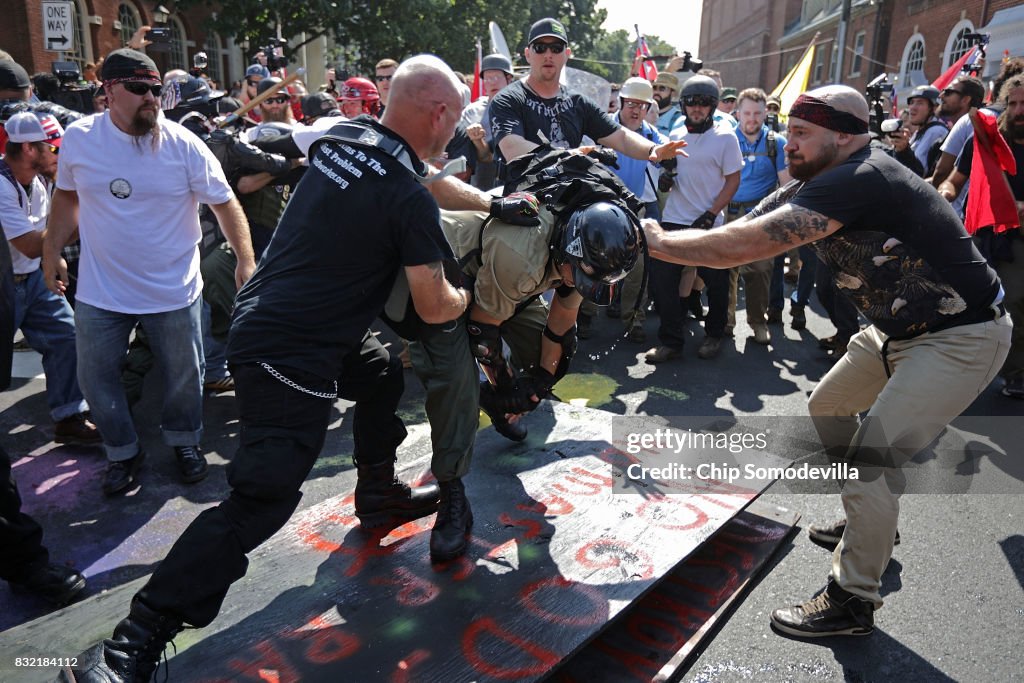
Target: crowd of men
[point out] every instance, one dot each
(707, 177)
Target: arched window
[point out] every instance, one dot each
(957, 45)
(213, 47)
(913, 61)
(130, 20)
(80, 32)
(178, 54)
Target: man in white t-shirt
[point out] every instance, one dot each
(44, 318)
(703, 187)
(132, 182)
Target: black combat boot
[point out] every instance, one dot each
(514, 431)
(131, 655)
(380, 497)
(450, 535)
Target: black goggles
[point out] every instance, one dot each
(698, 100)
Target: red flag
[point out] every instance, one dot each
(647, 68)
(478, 86)
(943, 81)
(990, 201)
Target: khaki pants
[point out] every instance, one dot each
(757, 278)
(935, 377)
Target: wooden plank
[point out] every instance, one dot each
(555, 556)
(659, 637)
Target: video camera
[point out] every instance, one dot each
(274, 54)
(691, 63)
(981, 40)
(72, 93)
(199, 63)
(877, 92)
(771, 119)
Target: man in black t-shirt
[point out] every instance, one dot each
(537, 110)
(938, 331)
(298, 340)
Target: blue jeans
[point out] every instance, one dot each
(48, 324)
(175, 338)
(215, 351)
(805, 282)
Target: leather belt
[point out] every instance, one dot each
(21, 278)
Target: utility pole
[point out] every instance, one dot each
(844, 21)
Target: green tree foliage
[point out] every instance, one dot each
(366, 31)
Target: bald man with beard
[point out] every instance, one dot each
(938, 332)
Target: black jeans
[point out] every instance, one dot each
(20, 536)
(282, 433)
(664, 284)
(841, 311)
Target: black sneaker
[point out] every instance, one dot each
(121, 474)
(191, 463)
(828, 535)
(833, 612)
(799, 321)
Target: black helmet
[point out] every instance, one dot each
(925, 92)
(601, 243)
(268, 83)
(700, 85)
(496, 61)
(189, 93)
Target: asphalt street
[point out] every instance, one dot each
(954, 590)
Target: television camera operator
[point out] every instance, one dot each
(882, 130)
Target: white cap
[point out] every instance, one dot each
(26, 126)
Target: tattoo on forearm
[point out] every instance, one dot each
(795, 225)
(436, 270)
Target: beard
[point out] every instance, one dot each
(1017, 128)
(663, 101)
(805, 169)
(278, 115)
(143, 122)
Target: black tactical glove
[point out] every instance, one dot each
(511, 399)
(705, 221)
(518, 208)
(538, 381)
(606, 156)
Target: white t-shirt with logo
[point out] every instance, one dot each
(714, 154)
(138, 213)
(22, 217)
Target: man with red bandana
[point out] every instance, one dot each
(938, 332)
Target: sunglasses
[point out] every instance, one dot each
(629, 104)
(384, 78)
(541, 48)
(140, 89)
(276, 100)
(698, 100)
(54, 149)
(951, 91)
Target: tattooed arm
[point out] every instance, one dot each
(772, 228)
(435, 299)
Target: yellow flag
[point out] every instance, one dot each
(795, 81)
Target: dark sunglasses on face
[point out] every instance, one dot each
(698, 101)
(276, 100)
(54, 149)
(541, 48)
(140, 89)
(951, 91)
(384, 78)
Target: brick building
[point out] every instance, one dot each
(913, 41)
(101, 26)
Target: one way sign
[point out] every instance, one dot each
(58, 35)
